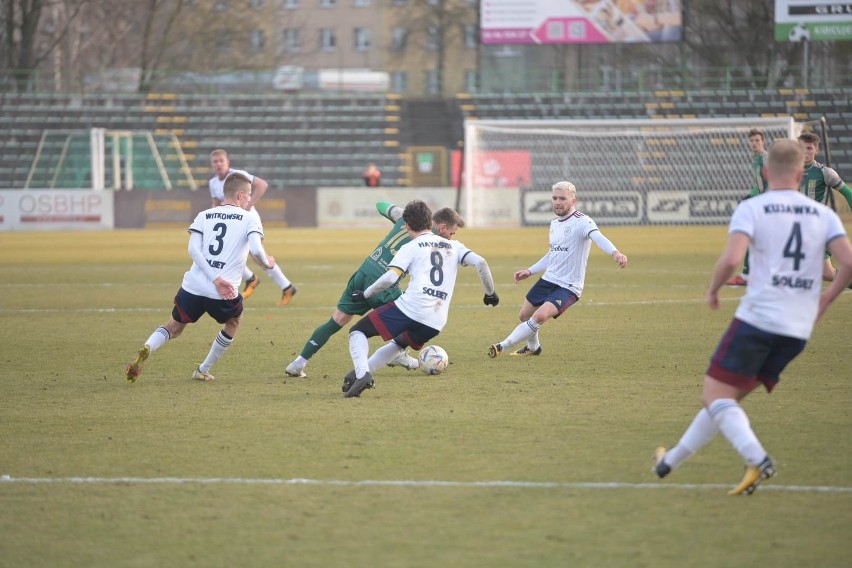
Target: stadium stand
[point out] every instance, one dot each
(303, 141)
(289, 141)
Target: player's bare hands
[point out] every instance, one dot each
(712, 298)
(621, 259)
(521, 275)
(225, 288)
(270, 260)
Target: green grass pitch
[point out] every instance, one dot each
(185, 473)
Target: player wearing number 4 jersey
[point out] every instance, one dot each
(787, 234)
(219, 243)
(421, 312)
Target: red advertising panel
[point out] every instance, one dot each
(496, 169)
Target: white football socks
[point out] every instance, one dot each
(158, 338)
(734, 425)
(699, 433)
(276, 275)
(220, 345)
(384, 355)
(359, 349)
(524, 331)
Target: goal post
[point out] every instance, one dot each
(632, 171)
(100, 158)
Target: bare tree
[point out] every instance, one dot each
(25, 45)
(440, 24)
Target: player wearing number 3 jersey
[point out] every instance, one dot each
(219, 243)
(786, 234)
(421, 312)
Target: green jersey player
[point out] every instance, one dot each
(817, 184)
(374, 266)
(757, 141)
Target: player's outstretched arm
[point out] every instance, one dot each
(472, 259)
(384, 282)
(841, 252)
(606, 245)
(846, 193)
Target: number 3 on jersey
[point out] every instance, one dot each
(218, 244)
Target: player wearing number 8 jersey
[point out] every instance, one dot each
(444, 223)
(420, 314)
(219, 243)
(787, 234)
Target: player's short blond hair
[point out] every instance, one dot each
(565, 186)
(219, 152)
(785, 158)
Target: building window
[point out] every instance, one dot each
(432, 87)
(362, 39)
(399, 36)
(291, 4)
(328, 41)
(471, 80)
(257, 40)
(361, 3)
(432, 38)
(223, 41)
(399, 2)
(328, 3)
(292, 40)
(399, 82)
(471, 38)
(257, 3)
(221, 5)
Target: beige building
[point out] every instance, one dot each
(427, 47)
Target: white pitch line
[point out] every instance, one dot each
(403, 483)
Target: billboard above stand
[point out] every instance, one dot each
(811, 20)
(549, 22)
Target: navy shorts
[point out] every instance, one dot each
(389, 322)
(189, 307)
(747, 356)
(544, 291)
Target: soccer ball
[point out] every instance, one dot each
(799, 32)
(433, 360)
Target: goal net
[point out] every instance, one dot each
(663, 171)
(99, 158)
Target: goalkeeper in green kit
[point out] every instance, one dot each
(445, 222)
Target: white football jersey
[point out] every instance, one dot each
(217, 186)
(224, 231)
(569, 251)
(789, 233)
(432, 263)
